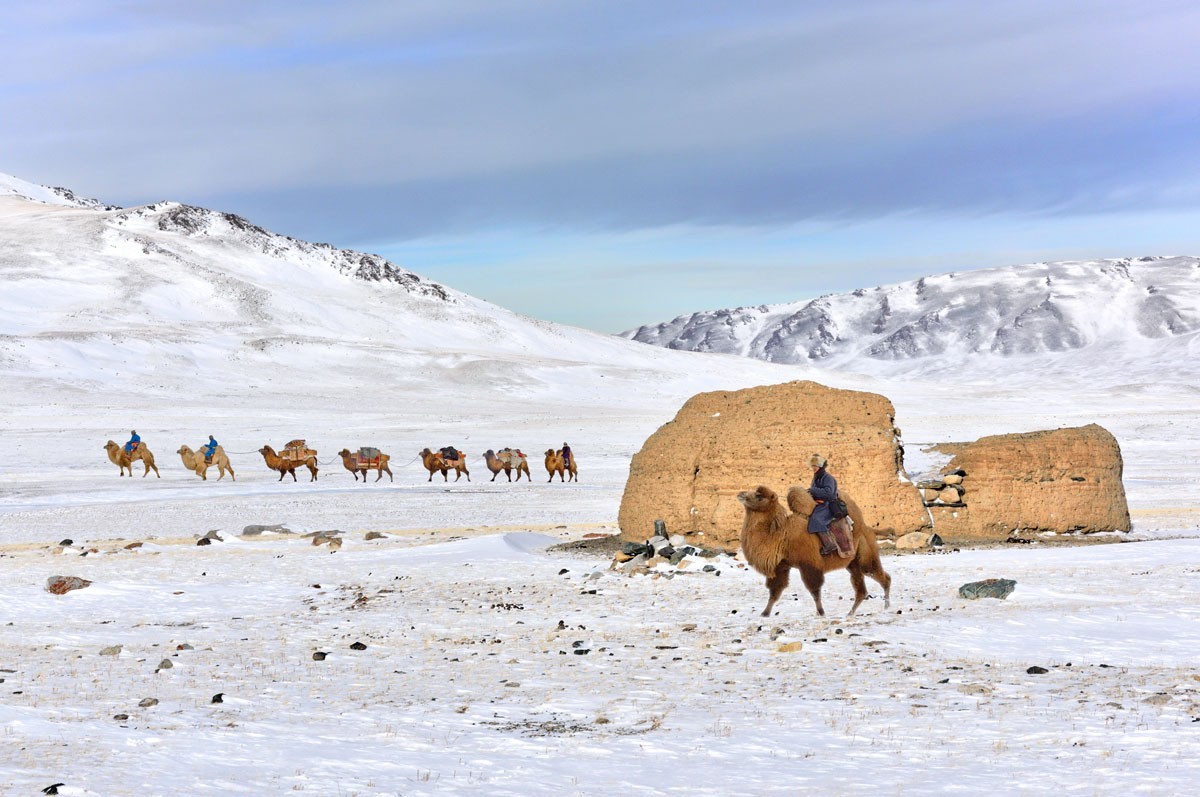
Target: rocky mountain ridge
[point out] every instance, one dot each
(945, 320)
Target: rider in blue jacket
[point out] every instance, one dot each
(133, 442)
(210, 448)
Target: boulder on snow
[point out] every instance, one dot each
(61, 585)
(988, 588)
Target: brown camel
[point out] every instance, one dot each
(436, 463)
(287, 465)
(357, 463)
(774, 541)
(554, 465)
(507, 461)
(124, 459)
(194, 461)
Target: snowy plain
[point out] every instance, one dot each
(474, 678)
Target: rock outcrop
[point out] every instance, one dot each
(1066, 480)
(690, 471)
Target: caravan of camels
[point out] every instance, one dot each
(296, 454)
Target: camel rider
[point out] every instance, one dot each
(210, 448)
(134, 440)
(566, 455)
(824, 491)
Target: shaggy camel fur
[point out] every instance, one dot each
(774, 541)
(357, 465)
(435, 463)
(194, 461)
(123, 459)
(497, 465)
(554, 465)
(286, 466)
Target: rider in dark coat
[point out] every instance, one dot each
(824, 491)
(566, 455)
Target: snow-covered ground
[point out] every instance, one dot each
(472, 680)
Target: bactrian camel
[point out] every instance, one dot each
(356, 464)
(555, 466)
(286, 466)
(194, 461)
(124, 459)
(774, 541)
(436, 463)
(507, 461)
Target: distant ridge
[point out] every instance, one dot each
(994, 314)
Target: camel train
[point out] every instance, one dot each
(775, 540)
(295, 454)
(195, 462)
(556, 466)
(124, 459)
(443, 461)
(366, 459)
(507, 461)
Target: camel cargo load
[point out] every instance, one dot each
(690, 471)
(1064, 480)
(298, 450)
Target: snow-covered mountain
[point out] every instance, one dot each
(169, 298)
(1102, 314)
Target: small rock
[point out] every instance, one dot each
(204, 541)
(791, 647)
(1160, 699)
(319, 656)
(1035, 670)
(134, 546)
(61, 585)
(913, 541)
(988, 588)
(219, 697)
(111, 650)
(213, 535)
(710, 568)
(358, 646)
(119, 717)
(67, 543)
(147, 702)
(165, 664)
(660, 528)
(184, 646)
(375, 535)
(252, 531)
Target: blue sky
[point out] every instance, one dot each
(608, 164)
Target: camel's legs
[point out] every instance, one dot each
(776, 584)
(860, 586)
(885, 581)
(814, 579)
(282, 473)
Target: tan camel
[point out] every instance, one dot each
(555, 466)
(436, 463)
(774, 541)
(286, 465)
(356, 464)
(194, 461)
(124, 459)
(505, 462)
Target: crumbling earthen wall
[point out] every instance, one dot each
(690, 471)
(1062, 480)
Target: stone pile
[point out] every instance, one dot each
(947, 490)
(669, 555)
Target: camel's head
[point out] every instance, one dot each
(184, 450)
(760, 499)
(265, 450)
(425, 452)
(345, 452)
(550, 452)
(110, 445)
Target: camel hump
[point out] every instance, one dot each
(799, 500)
